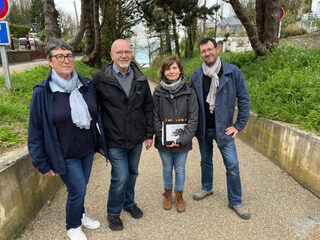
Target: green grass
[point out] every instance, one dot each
(14, 105)
(283, 86)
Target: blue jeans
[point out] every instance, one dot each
(230, 160)
(178, 161)
(76, 179)
(123, 178)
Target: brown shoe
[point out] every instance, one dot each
(167, 200)
(180, 205)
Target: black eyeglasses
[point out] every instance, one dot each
(61, 57)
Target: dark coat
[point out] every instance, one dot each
(232, 87)
(127, 121)
(43, 143)
(183, 105)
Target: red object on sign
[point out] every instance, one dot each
(4, 8)
(281, 13)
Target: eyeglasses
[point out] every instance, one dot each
(207, 50)
(120, 53)
(61, 58)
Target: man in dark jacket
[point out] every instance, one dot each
(126, 107)
(218, 85)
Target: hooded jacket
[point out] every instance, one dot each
(183, 105)
(43, 143)
(232, 87)
(127, 120)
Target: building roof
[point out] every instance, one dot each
(231, 21)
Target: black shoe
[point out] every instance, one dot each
(134, 211)
(115, 222)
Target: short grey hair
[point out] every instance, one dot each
(57, 43)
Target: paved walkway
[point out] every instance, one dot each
(280, 207)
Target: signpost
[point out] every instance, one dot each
(281, 16)
(5, 40)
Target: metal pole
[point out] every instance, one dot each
(5, 66)
(215, 27)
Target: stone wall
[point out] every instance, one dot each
(23, 192)
(18, 56)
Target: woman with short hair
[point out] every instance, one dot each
(65, 130)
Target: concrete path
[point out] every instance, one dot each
(280, 207)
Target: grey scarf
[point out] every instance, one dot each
(172, 88)
(212, 72)
(79, 109)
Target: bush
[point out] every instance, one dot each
(294, 30)
(210, 32)
(18, 31)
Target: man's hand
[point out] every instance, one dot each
(148, 143)
(50, 173)
(231, 130)
(173, 144)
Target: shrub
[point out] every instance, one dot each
(294, 30)
(18, 31)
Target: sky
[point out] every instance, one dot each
(68, 6)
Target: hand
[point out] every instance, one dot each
(50, 173)
(232, 130)
(148, 143)
(174, 144)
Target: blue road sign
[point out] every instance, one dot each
(4, 33)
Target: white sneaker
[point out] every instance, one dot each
(89, 222)
(76, 234)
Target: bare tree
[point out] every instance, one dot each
(77, 38)
(51, 14)
(95, 56)
(67, 23)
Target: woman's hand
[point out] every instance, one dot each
(174, 144)
(50, 173)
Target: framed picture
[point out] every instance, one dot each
(171, 130)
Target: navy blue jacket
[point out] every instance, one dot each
(43, 143)
(232, 86)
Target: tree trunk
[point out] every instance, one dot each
(168, 38)
(175, 35)
(89, 32)
(256, 44)
(52, 29)
(95, 56)
(268, 18)
(78, 37)
(204, 20)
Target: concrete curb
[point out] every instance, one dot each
(23, 192)
(294, 151)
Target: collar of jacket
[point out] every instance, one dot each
(139, 76)
(45, 83)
